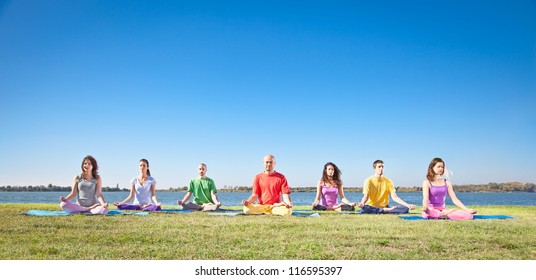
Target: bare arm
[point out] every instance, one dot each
(185, 199)
(286, 199)
(425, 195)
(98, 192)
(130, 196)
(318, 192)
(153, 192)
(400, 201)
(215, 198)
(363, 201)
(74, 190)
(455, 199)
(343, 198)
(252, 198)
(365, 198)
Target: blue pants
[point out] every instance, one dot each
(367, 209)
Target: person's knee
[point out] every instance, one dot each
(99, 210)
(282, 211)
(431, 214)
(399, 210)
(210, 207)
(367, 209)
(460, 215)
(192, 206)
(319, 207)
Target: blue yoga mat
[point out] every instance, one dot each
(491, 217)
(45, 213)
(475, 217)
(304, 214)
(50, 213)
(175, 211)
(118, 212)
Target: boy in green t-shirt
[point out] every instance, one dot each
(204, 191)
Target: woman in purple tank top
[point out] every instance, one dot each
(434, 190)
(329, 188)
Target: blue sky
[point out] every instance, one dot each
(226, 82)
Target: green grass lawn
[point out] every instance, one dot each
(331, 236)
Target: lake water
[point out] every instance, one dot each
(298, 198)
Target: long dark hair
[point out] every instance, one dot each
(95, 170)
(146, 162)
(430, 173)
(336, 175)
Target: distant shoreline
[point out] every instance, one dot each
(490, 187)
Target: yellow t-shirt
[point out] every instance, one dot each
(378, 190)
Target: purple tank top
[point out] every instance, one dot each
(329, 195)
(437, 194)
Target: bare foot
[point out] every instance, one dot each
(389, 209)
(445, 213)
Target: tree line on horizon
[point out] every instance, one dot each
(490, 187)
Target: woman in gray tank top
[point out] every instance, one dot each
(87, 188)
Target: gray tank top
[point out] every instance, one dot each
(86, 192)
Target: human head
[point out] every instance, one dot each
(89, 163)
(269, 163)
(202, 170)
(436, 167)
(331, 170)
(378, 167)
(144, 167)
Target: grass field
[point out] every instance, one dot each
(331, 236)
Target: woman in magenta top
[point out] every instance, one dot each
(434, 190)
(329, 188)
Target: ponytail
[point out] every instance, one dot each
(146, 162)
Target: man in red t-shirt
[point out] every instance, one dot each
(268, 187)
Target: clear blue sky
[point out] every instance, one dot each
(226, 82)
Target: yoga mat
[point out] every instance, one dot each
(119, 212)
(174, 211)
(43, 213)
(475, 217)
(348, 213)
(222, 210)
(490, 217)
(50, 213)
(294, 213)
(304, 214)
(216, 213)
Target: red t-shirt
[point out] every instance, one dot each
(268, 188)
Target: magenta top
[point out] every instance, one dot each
(437, 194)
(329, 195)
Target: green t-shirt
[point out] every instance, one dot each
(202, 189)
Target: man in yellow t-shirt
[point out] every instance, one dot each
(376, 191)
